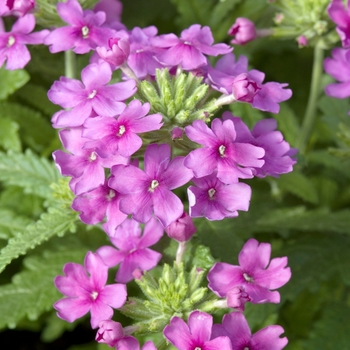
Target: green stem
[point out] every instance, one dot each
(310, 114)
(69, 64)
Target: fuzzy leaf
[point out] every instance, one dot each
(32, 173)
(11, 223)
(32, 291)
(56, 222)
(9, 138)
(11, 80)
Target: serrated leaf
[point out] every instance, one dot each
(299, 185)
(11, 80)
(32, 173)
(32, 291)
(34, 129)
(9, 139)
(11, 223)
(56, 222)
(332, 331)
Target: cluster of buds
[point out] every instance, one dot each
(129, 144)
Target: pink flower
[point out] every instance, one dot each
(243, 30)
(235, 326)
(182, 229)
(147, 192)
(13, 44)
(255, 274)
(341, 17)
(85, 31)
(196, 334)
(20, 7)
(118, 52)
(133, 252)
(84, 293)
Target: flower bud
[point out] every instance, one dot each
(237, 297)
(109, 333)
(244, 89)
(177, 133)
(243, 30)
(119, 52)
(181, 229)
(302, 41)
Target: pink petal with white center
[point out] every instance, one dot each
(268, 338)
(99, 312)
(71, 309)
(200, 324)
(275, 276)
(167, 206)
(254, 256)
(222, 277)
(113, 295)
(97, 269)
(178, 333)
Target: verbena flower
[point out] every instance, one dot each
(341, 17)
(196, 334)
(255, 273)
(91, 95)
(133, 252)
(235, 326)
(88, 293)
(243, 31)
(147, 192)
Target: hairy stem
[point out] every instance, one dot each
(69, 64)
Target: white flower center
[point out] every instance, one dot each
(121, 130)
(93, 156)
(94, 295)
(211, 193)
(187, 43)
(11, 40)
(85, 31)
(154, 184)
(248, 279)
(140, 50)
(222, 149)
(92, 94)
(110, 195)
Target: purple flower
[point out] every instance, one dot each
(302, 41)
(214, 200)
(236, 298)
(88, 293)
(235, 326)
(113, 10)
(267, 95)
(232, 160)
(188, 50)
(83, 164)
(13, 44)
(133, 252)
(255, 273)
(20, 7)
(119, 135)
(196, 334)
(244, 89)
(341, 17)
(109, 333)
(93, 95)
(83, 34)
(243, 30)
(147, 192)
(98, 203)
(339, 68)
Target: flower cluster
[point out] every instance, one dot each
(130, 144)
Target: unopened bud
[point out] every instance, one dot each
(237, 297)
(118, 53)
(109, 333)
(181, 229)
(244, 89)
(243, 30)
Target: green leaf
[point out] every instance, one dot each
(32, 291)
(56, 222)
(32, 173)
(34, 129)
(288, 124)
(9, 138)
(332, 331)
(299, 185)
(11, 80)
(11, 223)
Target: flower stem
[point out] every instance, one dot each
(180, 252)
(310, 114)
(69, 64)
